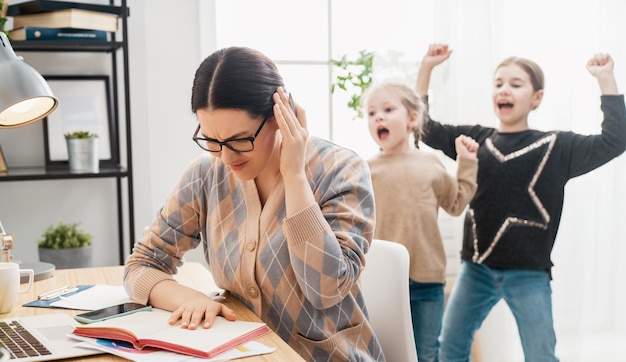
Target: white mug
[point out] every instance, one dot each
(10, 284)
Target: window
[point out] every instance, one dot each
(302, 45)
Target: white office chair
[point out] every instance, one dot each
(385, 285)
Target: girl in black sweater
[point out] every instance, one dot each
(511, 225)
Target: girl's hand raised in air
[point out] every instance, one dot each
(466, 146)
(294, 135)
(436, 54)
(600, 63)
(601, 67)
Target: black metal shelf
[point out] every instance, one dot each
(59, 172)
(66, 46)
(110, 168)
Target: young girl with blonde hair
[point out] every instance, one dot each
(410, 186)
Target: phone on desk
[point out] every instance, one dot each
(111, 312)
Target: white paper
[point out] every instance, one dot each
(97, 297)
(193, 275)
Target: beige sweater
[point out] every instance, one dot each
(298, 274)
(409, 189)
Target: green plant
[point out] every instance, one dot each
(353, 76)
(80, 134)
(64, 236)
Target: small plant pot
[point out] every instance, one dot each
(68, 258)
(83, 154)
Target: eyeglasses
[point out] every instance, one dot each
(245, 144)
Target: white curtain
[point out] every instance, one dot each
(589, 292)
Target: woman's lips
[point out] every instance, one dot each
(237, 166)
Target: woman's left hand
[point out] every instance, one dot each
(294, 135)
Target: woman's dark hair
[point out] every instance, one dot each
(236, 78)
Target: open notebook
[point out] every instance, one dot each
(151, 329)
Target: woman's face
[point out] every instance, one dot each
(226, 124)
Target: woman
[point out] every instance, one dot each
(285, 219)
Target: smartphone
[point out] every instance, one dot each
(292, 104)
(111, 312)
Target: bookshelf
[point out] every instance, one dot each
(119, 165)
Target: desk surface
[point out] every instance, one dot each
(190, 275)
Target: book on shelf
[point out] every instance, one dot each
(69, 18)
(40, 33)
(151, 329)
(40, 6)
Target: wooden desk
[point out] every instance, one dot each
(193, 275)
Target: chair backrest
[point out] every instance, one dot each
(385, 285)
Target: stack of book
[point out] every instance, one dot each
(62, 20)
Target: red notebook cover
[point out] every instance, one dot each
(151, 328)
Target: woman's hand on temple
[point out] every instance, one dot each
(294, 135)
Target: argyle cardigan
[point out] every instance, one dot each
(298, 274)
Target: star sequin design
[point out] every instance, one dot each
(512, 220)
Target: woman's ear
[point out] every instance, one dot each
(537, 97)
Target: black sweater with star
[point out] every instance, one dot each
(513, 219)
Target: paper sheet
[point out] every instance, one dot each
(193, 275)
(97, 297)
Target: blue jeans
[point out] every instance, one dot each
(426, 312)
(527, 293)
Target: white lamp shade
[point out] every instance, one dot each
(25, 97)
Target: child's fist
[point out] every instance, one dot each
(466, 146)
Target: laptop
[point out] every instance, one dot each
(50, 330)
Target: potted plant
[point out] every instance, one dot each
(66, 246)
(353, 76)
(82, 151)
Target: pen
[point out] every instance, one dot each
(56, 293)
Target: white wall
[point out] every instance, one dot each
(164, 52)
(163, 58)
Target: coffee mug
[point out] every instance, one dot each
(10, 284)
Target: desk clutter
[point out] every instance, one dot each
(142, 336)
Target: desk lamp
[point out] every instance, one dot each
(25, 97)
